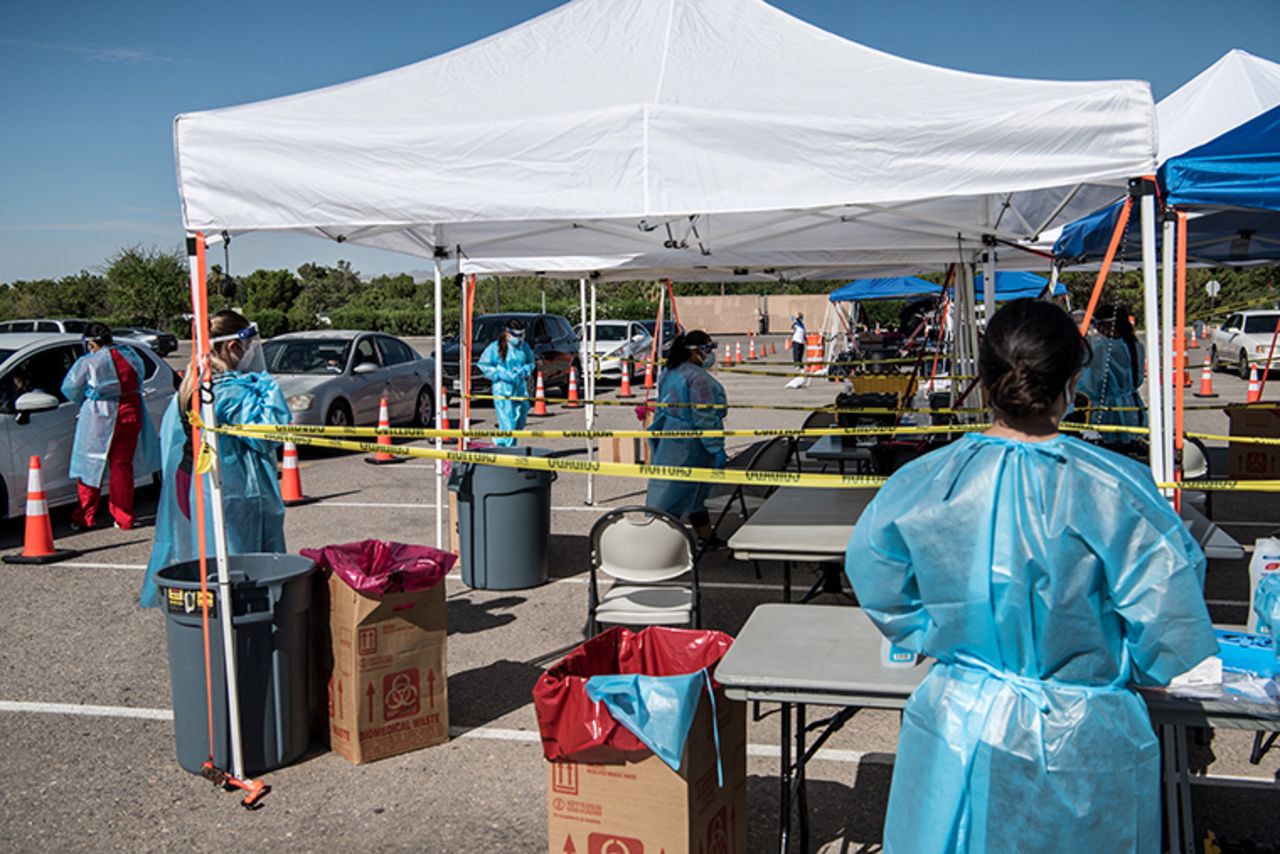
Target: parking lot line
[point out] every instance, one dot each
(524, 736)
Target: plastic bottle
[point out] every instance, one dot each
(1266, 558)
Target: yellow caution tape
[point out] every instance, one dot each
(204, 460)
(455, 433)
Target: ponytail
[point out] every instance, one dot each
(222, 323)
(679, 353)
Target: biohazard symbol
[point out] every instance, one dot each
(609, 843)
(400, 694)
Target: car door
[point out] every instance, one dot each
(1227, 336)
(554, 370)
(405, 376)
(366, 388)
(48, 435)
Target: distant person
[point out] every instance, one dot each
(797, 340)
(1114, 375)
(253, 512)
(508, 363)
(1044, 576)
(688, 381)
(113, 431)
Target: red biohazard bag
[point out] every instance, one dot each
(574, 727)
(376, 568)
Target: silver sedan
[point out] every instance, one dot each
(337, 378)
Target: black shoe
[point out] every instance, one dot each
(714, 544)
(77, 528)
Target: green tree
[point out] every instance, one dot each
(148, 285)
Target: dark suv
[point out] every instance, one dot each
(550, 335)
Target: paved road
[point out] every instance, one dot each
(73, 636)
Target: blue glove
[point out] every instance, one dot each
(721, 459)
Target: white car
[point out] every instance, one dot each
(36, 420)
(1243, 341)
(617, 340)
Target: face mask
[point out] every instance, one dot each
(515, 336)
(708, 358)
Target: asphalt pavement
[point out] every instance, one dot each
(84, 686)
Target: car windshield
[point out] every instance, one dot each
(487, 330)
(1256, 324)
(609, 332)
(310, 356)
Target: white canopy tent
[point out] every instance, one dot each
(689, 139)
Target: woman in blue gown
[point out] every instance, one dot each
(253, 511)
(1114, 374)
(508, 363)
(1045, 576)
(686, 380)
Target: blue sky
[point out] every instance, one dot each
(88, 90)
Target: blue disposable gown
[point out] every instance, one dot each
(510, 378)
(92, 382)
(252, 507)
(1043, 577)
(1109, 380)
(688, 383)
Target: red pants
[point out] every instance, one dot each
(124, 441)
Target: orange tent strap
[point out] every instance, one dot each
(1105, 269)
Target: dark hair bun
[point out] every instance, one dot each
(1030, 352)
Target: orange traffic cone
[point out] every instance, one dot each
(728, 354)
(444, 410)
(37, 542)
(382, 458)
(540, 399)
(773, 348)
(737, 353)
(572, 402)
(1255, 390)
(751, 354)
(625, 391)
(648, 373)
(1194, 343)
(291, 478)
(1206, 380)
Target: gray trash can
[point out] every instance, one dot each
(504, 522)
(271, 598)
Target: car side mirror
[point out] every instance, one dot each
(34, 401)
(364, 368)
(638, 337)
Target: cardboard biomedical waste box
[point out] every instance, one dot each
(1251, 461)
(609, 801)
(381, 676)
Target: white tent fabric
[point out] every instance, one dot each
(1236, 88)
(684, 138)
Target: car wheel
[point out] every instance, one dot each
(424, 414)
(1244, 366)
(339, 415)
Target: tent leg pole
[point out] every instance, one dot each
(591, 396)
(1151, 318)
(438, 306)
(1166, 341)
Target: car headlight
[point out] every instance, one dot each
(301, 401)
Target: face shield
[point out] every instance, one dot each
(245, 348)
(515, 334)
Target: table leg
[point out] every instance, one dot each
(802, 797)
(1184, 787)
(784, 775)
(1168, 762)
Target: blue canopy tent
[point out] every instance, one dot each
(1233, 182)
(1017, 285)
(896, 287)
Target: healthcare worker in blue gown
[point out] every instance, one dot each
(686, 380)
(1045, 576)
(243, 393)
(1114, 374)
(508, 363)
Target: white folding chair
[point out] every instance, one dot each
(646, 552)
